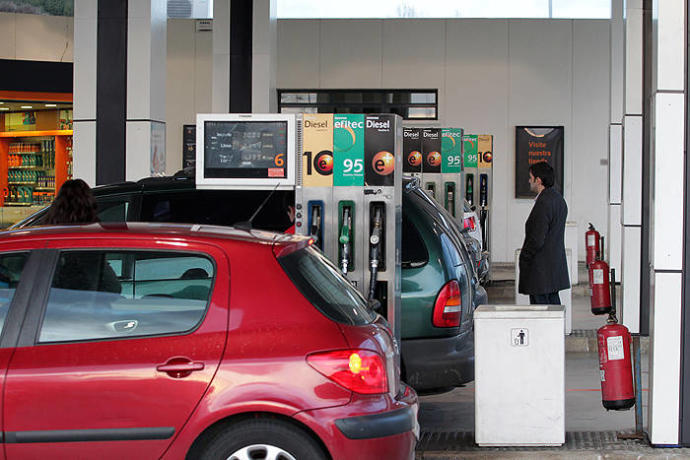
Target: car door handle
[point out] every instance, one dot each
(178, 368)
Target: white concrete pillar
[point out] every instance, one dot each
(146, 66)
(264, 56)
(615, 227)
(668, 167)
(220, 82)
(84, 108)
(632, 166)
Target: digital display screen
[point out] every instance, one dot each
(245, 149)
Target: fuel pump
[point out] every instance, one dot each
(430, 188)
(450, 198)
(483, 204)
(432, 162)
(485, 146)
(451, 171)
(356, 211)
(315, 209)
(375, 249)
(314, 191)
(469, 189)
(345, 238)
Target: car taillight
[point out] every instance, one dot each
(448, 307)
(361, 371)
(468, 222)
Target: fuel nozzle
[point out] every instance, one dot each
(315, 228)
(375, 250)
(344, 240)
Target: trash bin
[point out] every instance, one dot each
(519, 375)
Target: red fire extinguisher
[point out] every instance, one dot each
(592, 244)
(615, 363)
(600, 299)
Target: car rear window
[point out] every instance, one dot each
(323, 285)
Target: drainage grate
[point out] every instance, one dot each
(574, 440)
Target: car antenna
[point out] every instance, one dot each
(247, 224)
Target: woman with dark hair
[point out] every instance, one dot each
(74, 204)
(84, 271)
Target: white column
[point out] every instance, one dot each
(668, 167)
(84, 109)
(615, 227)
(146, 65)
(264, 56)
(220, 82)
(632, 166)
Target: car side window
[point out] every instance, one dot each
(11, 266)
(114, 210)
(117, 294)
(414, 253)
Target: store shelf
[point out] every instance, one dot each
(44, 189)
(55, 132)
(17, 203)
(33, 168)
(21, 183)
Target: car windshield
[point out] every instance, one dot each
(323, 285)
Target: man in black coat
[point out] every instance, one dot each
(543, 264)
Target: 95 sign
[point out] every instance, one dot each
(349, 170)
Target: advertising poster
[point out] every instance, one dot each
(451, 150)
(412, 150)
(157, 148)
(431, 150)
(348, 150)
(188, 146)
(317, 150)
(379, 150)
(485, 147)
(532, 145)
(470, 150)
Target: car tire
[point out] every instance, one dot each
(262, 439)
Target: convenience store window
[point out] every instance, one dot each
(35, 151)
(411, 104)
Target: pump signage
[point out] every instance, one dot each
(485, 143)
(470, 148)
(451, 150)
(379, 150)
(317, 150)
(431, 150)
(348, 150)
(412, 150)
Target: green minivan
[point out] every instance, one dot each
(440, 288)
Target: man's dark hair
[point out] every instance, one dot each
(543, 171)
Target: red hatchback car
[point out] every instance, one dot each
(180, 341)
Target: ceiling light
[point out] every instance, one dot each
(51, 105)
(26, 107)
(4, 108)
